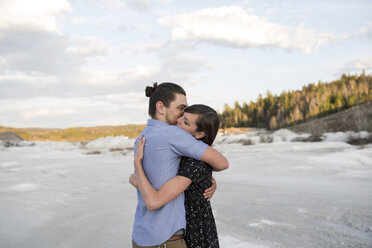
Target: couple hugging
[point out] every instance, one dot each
(173, 154)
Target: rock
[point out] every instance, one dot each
(10, 136)
(357, 118)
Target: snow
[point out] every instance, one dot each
(24, 187)
(109, 142)
(345, 136)
(276, 193)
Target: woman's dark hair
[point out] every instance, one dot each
(164, 92)
(207, 122)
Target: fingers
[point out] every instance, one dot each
(141, 140)
(214, 183)
(211, 189)
(208, 194)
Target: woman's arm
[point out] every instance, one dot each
(133, 180)
(153, 198)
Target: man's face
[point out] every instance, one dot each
(175, 109)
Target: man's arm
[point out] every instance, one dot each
(215, 159)
(153, 198)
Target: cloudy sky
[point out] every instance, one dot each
(86, 62)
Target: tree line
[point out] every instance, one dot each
(297, 106)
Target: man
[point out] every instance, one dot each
(165, 145)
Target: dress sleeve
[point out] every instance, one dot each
(192, 169)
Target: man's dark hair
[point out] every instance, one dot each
(207, 122)
(164, 92)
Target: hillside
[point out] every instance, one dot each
(74, 134)
(293, 107)
(358, 118)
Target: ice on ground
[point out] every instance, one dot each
(56, 146)
(110, 143)
(260, 136)
(9, 164)
(266, 222)
(345, 136)
(24, 187)
(278, 194)
(301, 210)
(284, 135)
(228, 241)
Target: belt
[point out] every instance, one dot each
(175, 237)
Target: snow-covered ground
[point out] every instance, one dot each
(276, 193)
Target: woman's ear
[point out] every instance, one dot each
(160, 108)
(199, 135)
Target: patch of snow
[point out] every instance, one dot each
(25, 187)
(228, 241)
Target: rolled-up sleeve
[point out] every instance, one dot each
(184, 144)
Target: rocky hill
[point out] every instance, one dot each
(358, 118)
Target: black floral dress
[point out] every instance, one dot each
(201, 231)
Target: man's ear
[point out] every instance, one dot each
(160, 108)
(199, 135)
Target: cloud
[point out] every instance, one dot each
(126, 79)
(144, 5)
(117, 109)
(39, 61)
(133, 26)
(88, 46)
(138, 5)
(165, 48)
(86, 82)
(366, 31)
(111, 5)
(34, 50)
(47, 112)
(185, 65)
(36, 14)
(235, 26)
(357, 65)
(30, 42)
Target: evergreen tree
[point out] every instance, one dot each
(290, 107)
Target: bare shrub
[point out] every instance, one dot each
(247, 142)
(266, 139)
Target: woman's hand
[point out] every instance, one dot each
(208, 193)
(133, 180)
(139, 150)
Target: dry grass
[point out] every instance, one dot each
(76, 133)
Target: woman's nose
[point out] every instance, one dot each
(179, 120)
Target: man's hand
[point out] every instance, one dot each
(133, 180)
(208, 193)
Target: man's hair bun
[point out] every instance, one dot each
(149, 90)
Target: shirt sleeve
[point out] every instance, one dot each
(184, 144)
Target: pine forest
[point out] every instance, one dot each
(294, 107)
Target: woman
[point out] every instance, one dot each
(194, 177)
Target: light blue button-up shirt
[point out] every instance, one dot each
(164, 147)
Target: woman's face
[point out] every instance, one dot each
(188, 123)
